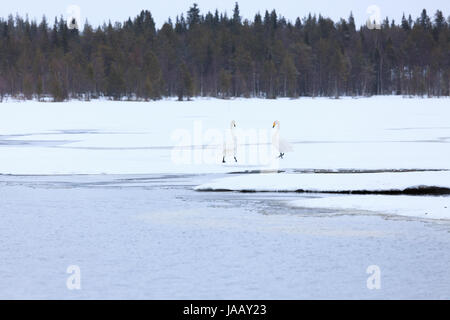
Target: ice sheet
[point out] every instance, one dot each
(410, 206)
(333, 182)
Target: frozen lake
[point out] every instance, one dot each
(114, 188)
(110, 137)
(152, 236)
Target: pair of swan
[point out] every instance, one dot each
(280, 144)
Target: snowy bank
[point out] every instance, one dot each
(384, 182)
(410, 206)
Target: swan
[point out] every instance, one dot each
(278, 142)
(230, 145)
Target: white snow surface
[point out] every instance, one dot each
(410, 206)
(330, 182)
(105, 137)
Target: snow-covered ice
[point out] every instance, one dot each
(410, 206)
(383, 182)
(332, 182)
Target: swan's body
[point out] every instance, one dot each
(230, 143)
(280, 144)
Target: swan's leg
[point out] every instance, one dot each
(281, 155)
(235, 160)
(223, 160)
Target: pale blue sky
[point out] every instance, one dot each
(99, 11)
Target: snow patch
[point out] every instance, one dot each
(410, 206)
(385, 182)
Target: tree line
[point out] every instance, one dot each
(215, 55)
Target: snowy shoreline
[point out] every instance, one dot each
(49, 99)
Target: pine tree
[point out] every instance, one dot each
(185, 83)
(193, 16)
(225, 83)
(405, 25)
(115, 84)
(236, 15)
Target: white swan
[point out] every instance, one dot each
(230, 143)
(278, 142)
